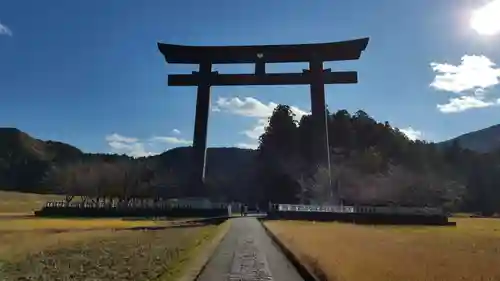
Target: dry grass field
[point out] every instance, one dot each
(20, 236)
(17, 202)
(95, 249)
(70, 224)
(33, 248)
(347, 252)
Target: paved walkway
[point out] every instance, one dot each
(247, 253)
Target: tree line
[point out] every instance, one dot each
(372, 163)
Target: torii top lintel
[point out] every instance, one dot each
(335, 51)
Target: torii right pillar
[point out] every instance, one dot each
(321, 147)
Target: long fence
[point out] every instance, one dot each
(360, 209)
(205, 208)
(136, 208)
(360, 214)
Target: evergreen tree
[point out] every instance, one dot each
(278, 155)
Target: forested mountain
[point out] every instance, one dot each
(371, 163)
(25, 160)
(31, 165)
(484, 140)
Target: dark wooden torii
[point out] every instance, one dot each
(315, 76)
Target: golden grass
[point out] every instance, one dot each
(18, 202)
(16, 246)
(40, 223)
(22, 236)
(90, 249)
(469, 251)
(191, 258)
(96, 249)
(123, 255)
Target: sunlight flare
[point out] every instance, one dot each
(486, 20)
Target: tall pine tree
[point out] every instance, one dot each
(278, 157)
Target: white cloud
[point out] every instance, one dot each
(127, 145)
(137, 148)
(119, 138)
(4, 30)
(257, 130)
(131, 149)
(176, 132)
(251, 107)
(298, 112)
(471, 80)
(411, 133)
(171, 140)
(473, 73)
(247, 145)
(463, 103)
(248, 106)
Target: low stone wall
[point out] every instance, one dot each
(360, 214)
(72, 211)
(362, 218)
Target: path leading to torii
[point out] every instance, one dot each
(247, 253)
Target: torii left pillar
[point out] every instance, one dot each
(198, 155)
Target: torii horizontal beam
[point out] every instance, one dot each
(346, 77)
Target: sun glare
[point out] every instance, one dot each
(486, 20)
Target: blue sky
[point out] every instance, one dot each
(89, 73)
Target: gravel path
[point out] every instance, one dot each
(247, 253)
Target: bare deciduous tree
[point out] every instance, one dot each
(75, 179)
(397, 185)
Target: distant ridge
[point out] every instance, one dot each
(485, 140)
(25, 161)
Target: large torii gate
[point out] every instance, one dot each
(315, 76)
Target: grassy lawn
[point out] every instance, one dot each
(37, 234)
(33, 248)
(88, 249)
(41, 223)
(469, 251)
(17, 202)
